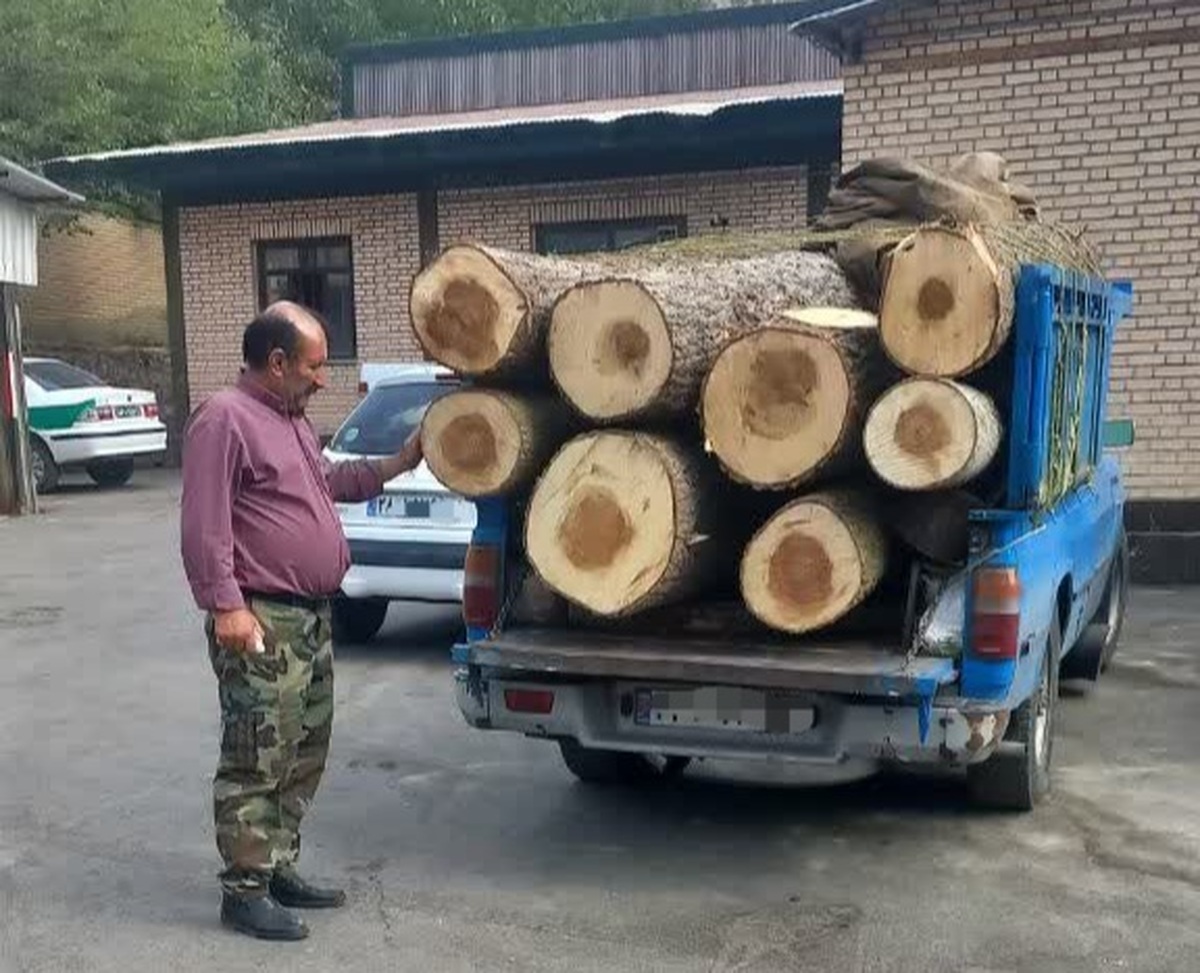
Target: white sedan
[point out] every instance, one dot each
(410, 543)
(78, 420)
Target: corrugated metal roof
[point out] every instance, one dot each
(30, 187)
(597, 112)
(715, 59)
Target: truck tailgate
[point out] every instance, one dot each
(853, 667)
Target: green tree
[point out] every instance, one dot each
(85, 75)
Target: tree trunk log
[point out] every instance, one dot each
(623, 521)
(482, 310)
(481, 442)
(637, 345)
(935, 525)
(949, 292)
(786, 402)
(931, 434)
(814, 561)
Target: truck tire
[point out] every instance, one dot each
(617, 766)
(358, 620)
(1097, 643)
(1017, 776)
(110, 472)
(45, 470)
(1116, 598)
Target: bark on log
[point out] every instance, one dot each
(481, 310)
(949, 292)
(786, 402)
(637, 345)
(935, 525)
(481, 442)
(814, 561)
(623, 521)
(931, 434)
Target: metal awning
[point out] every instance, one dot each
(30, 187)
(780, 124)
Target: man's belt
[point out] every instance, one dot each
(307, 602)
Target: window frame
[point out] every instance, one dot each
(311, 245)
(678, 222)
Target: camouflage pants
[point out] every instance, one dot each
(276, 717)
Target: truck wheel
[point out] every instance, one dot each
(110, 472)
(1112, 610)
(357, 620)
(617, 766)
(1097, 643)
(1017, 775)
(45, 470)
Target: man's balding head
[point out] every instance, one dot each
(283, 325)
(286, 348)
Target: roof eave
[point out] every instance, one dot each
(837, 26)
(28, 186)
(776, 130)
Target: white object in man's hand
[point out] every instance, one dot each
(239, 631)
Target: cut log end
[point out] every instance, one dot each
(466, 310)
(472, 442)
(775, 405)
(811, 563)
(930, 434)
(610, 349)
(601, 524)
(943, 310)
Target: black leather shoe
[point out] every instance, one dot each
(261, 916)
(291, 890)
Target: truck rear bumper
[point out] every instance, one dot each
(844, 730)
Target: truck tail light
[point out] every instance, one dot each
(481, 586)
(996, 613)
(537, 701)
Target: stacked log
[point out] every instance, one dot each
(784, 404)
(814, 560)
(622, 521)
(482, 442)
(723, 425)
(949, 291)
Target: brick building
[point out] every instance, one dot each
(594, 135)
(1096, 105)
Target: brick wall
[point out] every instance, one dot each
(757, 199)
(1096, 105)
(101, 284)
(218, 263)
(217, 245)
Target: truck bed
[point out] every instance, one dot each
(851, 667)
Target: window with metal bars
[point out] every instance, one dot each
(318, 273)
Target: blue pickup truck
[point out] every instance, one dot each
(969, 681)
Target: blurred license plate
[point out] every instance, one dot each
(724, 708)
(127, 411)
(413, 507)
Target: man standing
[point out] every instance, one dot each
(264, 551)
